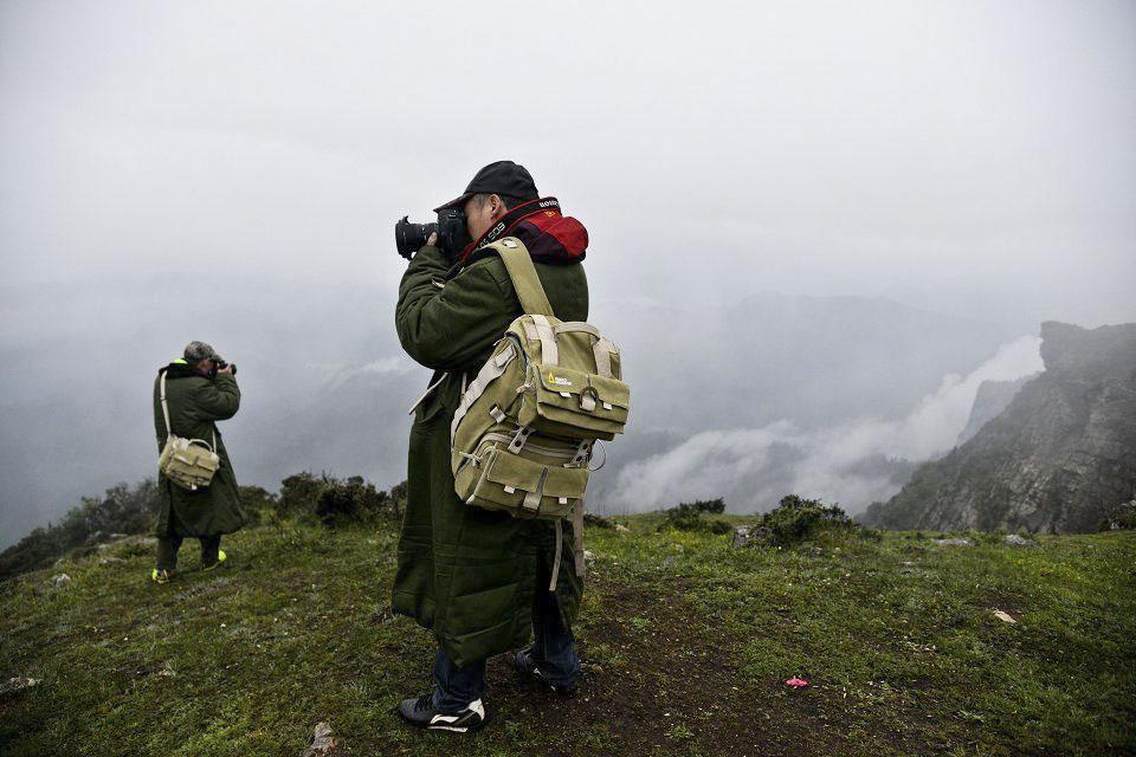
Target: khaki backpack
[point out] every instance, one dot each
(523, 434)
(189, 463)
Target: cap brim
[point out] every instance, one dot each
(457, 202)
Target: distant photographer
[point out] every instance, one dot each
(196, 482)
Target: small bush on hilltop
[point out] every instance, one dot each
(299, 493)
(353, 499)
(688, 516)
(398, 498)
(258, 503)
(796, 519)
(720, 527)
(599, 521)
(334, 501)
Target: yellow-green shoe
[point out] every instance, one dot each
(221, 557)
(161, 576)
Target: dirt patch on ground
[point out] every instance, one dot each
(666, 682)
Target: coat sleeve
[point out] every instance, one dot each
(447, 327)
(219, 399)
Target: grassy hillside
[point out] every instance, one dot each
(686, 641)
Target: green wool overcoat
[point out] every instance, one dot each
(196, 403)
(470, 574)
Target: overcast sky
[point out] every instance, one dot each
(968, 157)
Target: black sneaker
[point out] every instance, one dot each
(420, 712)
(525, 664)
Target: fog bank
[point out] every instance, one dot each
(850, 463)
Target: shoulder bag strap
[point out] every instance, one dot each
(523, 274)
(166, 412)
(165, 407)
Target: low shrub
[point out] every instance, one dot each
(258, 503)
(599, 521)
(333, 501)
(398, 499)
(351, 500)
(299, 493)
(688, 516)
(796, 519)
(720, 527)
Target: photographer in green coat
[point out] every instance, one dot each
(201, 389)
(479, 579)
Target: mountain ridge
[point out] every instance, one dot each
(1060, 457)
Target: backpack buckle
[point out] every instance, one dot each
(519, 439)
(583, 452)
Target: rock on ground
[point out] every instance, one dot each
(60, 579)
(323, 742)
(20, 683)
(745, 536)
(1019, 541)
(953, 542)
(1003, 616)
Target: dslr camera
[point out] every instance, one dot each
(219, 363)
(452, 234)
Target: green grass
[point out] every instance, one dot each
(681, 634)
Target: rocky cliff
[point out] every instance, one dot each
(992, 398)
(1060, 457)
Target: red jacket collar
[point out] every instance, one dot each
(550, 236)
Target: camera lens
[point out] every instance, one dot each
(409, 237)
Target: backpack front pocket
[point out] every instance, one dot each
(501, 480)
(576, 405)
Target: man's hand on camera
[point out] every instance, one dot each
(227, 369)
(433, 240)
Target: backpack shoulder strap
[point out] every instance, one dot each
(521, 270)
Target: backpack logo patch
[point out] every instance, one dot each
(558, 380)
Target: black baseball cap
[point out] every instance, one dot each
(501, 178)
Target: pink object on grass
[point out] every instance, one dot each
(796, 683)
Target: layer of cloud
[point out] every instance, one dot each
(853, 463)
(335, 375)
